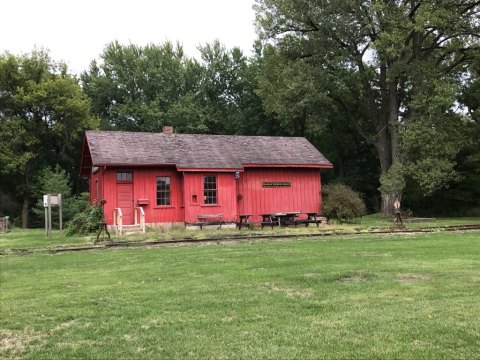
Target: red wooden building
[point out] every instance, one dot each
(182, 178)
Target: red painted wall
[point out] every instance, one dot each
(96, 187)
(243, 196)
(304, 195)
(145, 187)
(226, 197)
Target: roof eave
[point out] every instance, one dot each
(86, 157)
(313, 166)
(134, 165)
(209, 169)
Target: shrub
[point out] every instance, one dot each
(342, 202)
(58, 182)
(85, 222)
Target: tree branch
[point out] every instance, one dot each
(352, 118)
(415, 8)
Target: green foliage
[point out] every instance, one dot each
(393, 181)
(223, 88)
(462, 197)
(58, 182)
(289, 90)
(144, 88)
(135, 87)
(393, 69)
(43, 114)
(85, 222)
(342, 203)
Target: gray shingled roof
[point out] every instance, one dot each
(189, 151)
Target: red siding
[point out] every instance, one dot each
(243, 196)
(226, 197)
(95, 187)
(145, 187)
(303, 195)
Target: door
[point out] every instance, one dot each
(125, 196)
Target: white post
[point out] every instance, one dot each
(46, 222)
(142, 219)
(49, 217)
(60, 213)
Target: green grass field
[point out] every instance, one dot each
(35, 240)
(354, 297)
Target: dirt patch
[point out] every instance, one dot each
(62, 326)
(312, 275)
(411, 278)
(72, 286)
(290, 292)
(14, 342)
(79, 344)
(376, 254)
(352, 277)
(129, 337)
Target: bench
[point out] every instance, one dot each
(312, 218)
(209, 219)
(285, 219)
(243, 220)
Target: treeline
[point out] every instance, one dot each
(387, 91)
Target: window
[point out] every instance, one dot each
(209, 190)
(163, 190)
(124, 177)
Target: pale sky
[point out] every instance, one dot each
(76, 31)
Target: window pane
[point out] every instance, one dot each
(209, 190)
(163, 190)
(124, 176)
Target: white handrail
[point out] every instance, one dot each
(118, 220)
(142, 218)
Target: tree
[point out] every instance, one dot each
(288, 90)
(139, 88)
(399, 62)
(43, 114)
(143, 88)
(56, 181)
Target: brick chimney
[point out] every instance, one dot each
(167, 130)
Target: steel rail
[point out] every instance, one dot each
(240, 238)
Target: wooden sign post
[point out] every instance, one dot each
(49, 201)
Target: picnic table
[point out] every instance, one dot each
(280, 218)
(312, 218)
(243, 220)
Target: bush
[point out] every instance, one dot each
(85, 222)
(342, 202)
(57, 182)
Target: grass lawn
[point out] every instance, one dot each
(34, 239)
(396, 297)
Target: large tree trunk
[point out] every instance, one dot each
(389, 199)
(387, 203)
(386, 160)
(384, 116)
(25, 206)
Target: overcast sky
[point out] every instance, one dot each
(76, 31)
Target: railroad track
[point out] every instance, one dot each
(239, 238)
